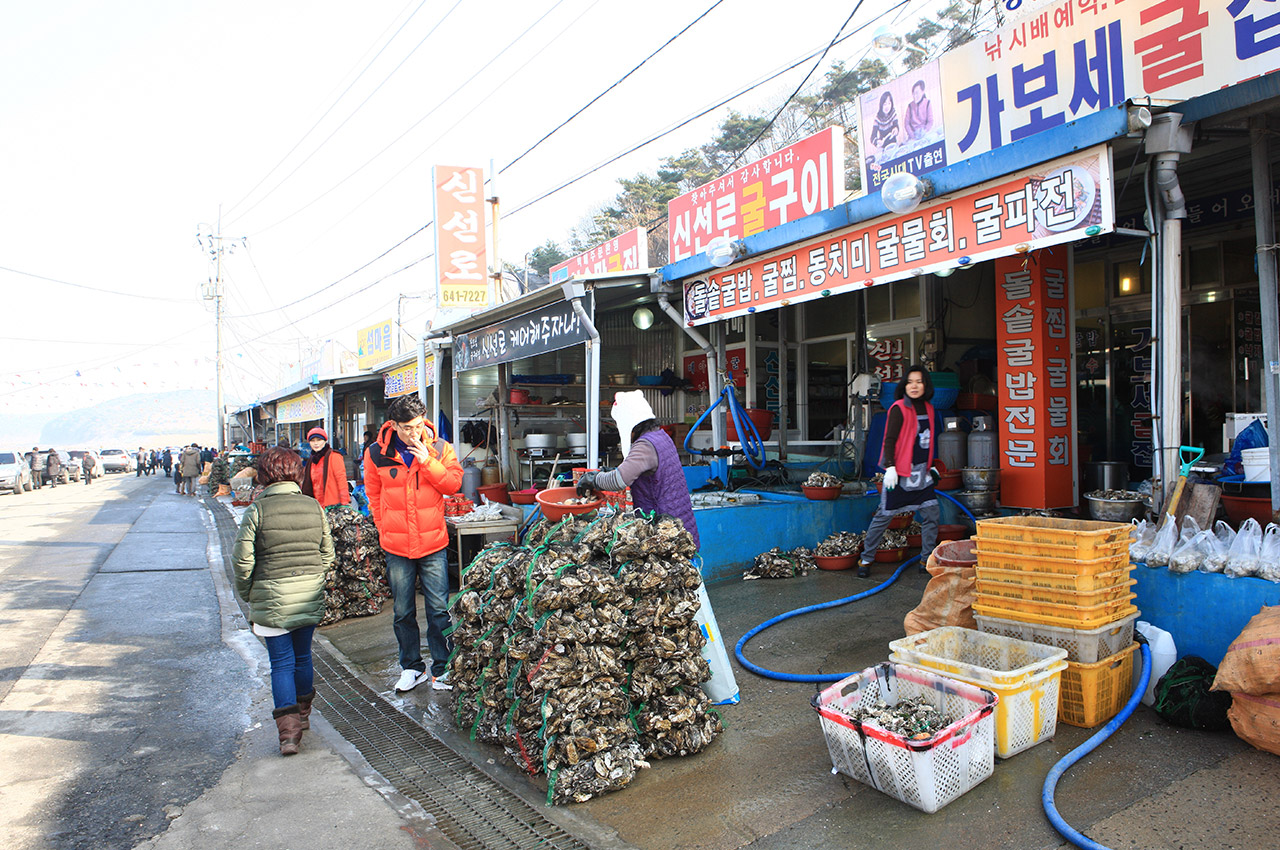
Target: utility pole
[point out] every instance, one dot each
(215, 243)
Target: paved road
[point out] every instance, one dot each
(129, 709)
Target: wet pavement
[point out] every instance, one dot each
(767, 781)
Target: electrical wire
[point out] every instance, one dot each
(335, 102)
(613, 85)
(335, 130)
(96, 288)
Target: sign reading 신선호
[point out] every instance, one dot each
(1058, 61)
(626, 252)
(549, 328)
(462, 273)
(1046, 205)
(791, 183)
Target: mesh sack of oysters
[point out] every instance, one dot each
(579, 654)
(778, 563)
(823, 479)
(356, 583)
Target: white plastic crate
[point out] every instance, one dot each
(926, 774)
(1083, 646)
(1025, 675)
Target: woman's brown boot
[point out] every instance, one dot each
(304, 708)
(289, 725)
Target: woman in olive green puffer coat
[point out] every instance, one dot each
(281, 555)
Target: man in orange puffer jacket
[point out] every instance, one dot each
(407, 474)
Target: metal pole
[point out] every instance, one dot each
(1264, 225)
(784, 316)
(1170, 391)
(217, 303)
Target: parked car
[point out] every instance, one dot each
(77, 459)
(15, 472)
(116, 460)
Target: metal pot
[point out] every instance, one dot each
(1116, 510)
(541, 441)
(976, 478)
(622, 379)
(978, 501)
(1106, 475)
(576, 440)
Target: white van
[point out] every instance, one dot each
(15, 472)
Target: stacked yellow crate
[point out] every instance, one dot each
(1063, 583)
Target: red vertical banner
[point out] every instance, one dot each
(462, 273)
(1033, 332)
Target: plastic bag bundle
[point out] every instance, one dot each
(1215, 559)
(1166, 538)
(1141, 536)
(1269, 553)
(1242, 558)
(580, 652)
(1190, 550)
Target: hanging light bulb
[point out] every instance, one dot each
(904, 191)
(642, 318)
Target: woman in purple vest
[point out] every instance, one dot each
(650, 464)
(910, 433)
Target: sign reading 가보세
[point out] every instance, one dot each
(1050, 204)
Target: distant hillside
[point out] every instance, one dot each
(144, 419)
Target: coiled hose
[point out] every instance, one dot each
(824, 677)
(752, 445)
(1076, 837)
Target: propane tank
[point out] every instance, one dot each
(490, 473)
(471, 480)
(982, 445)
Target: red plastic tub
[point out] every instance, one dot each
(496, 492)
(956, 553)
(762, 419)
(1240, 508)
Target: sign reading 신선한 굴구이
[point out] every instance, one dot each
(1052, 203)
(1057, 62)
(791, 183)
(626, 252)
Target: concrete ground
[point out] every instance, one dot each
(767, 782)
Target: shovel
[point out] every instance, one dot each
(1188, 455)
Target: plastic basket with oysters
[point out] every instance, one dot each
(578, 652)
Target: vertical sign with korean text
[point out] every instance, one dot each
(373, 345)
(788, 184)
(1035, 341)
(462, 273)
(626, 252)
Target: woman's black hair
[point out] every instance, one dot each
(644, 427)
(886, 96)
(901, 391)
(917, 84)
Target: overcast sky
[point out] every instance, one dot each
(314, 125)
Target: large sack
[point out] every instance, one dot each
(1252, 662)
(947, 600)
(1256, 719)
(247, 472)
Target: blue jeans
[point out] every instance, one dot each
(405, 574)
(291, 669)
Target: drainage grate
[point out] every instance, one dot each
(472, 810)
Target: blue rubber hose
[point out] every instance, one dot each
(1076, 837)
(810, 677)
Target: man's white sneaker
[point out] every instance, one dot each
(410, 679)
(441, 683)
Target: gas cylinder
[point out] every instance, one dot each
(470, 480)
(490, 473)
(1163, 654)
(952, 449)
(982, 447)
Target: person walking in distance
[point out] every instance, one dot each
(407, 473)
(86, 467)
(189, 463)
(53, 467)
(167, 460)
(141, 459)
(280, 558)
(326, 472)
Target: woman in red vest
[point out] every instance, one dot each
(910, 433)
(326, 475)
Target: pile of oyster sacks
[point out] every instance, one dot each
(579, 654)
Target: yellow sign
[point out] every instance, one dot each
(374, 345)
(301, 408)
(404, 380)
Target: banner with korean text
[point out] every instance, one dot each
(304, 407)
(404, 380)
(1035, 340)
(1051, 204)
(374, 345)
(1058, 61)
(791, 183)
(462, 273)
(627, 252)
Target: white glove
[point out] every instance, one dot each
(890, 478)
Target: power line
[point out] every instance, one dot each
(97, 288)
(612, 85)
(335, 130)
(335, 103)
